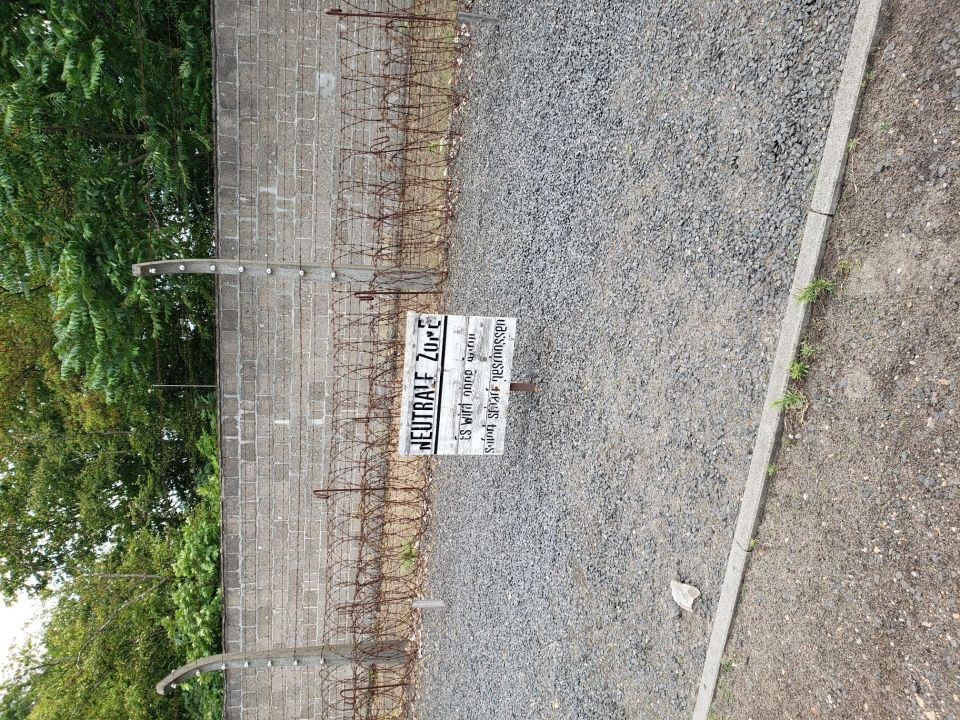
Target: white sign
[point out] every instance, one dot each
(456, 384)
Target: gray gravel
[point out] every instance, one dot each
(634, 177)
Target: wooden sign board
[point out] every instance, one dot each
(456, 384)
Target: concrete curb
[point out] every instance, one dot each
(823, 205)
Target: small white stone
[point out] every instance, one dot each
(683, 594)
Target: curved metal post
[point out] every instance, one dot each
(411, 279)
(389, 652)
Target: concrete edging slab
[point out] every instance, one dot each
(823, 205)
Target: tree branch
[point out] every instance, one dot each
(140, 576)
(138, 159)
(61, 129)
(113, 616)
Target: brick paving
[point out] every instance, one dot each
(275, 64)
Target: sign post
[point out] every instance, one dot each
(456, 384)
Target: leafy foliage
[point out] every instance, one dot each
(197, 595)
(792, 400)
(104, 641)
(80, 474)
(815, 290)
(136, 614)
(15, 700)
(107, 505)
(798, 370)
(104, 161)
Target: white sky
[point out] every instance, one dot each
(16, 621)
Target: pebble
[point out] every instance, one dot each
(683, 594)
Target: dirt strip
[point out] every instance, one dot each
(851, 604)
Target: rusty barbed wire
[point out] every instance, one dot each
(398, 62)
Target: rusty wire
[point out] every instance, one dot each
(398, 60)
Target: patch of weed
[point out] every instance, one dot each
(807, 351)
(798, 370)
(408, 555)
(791, 400)
(816, 290)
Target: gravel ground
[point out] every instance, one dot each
(851, 605)
(634, 176)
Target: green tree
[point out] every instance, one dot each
(104, 644)
(16, 700)
(197, 596)
(105, 161)
(81, 474)
(131, 617)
